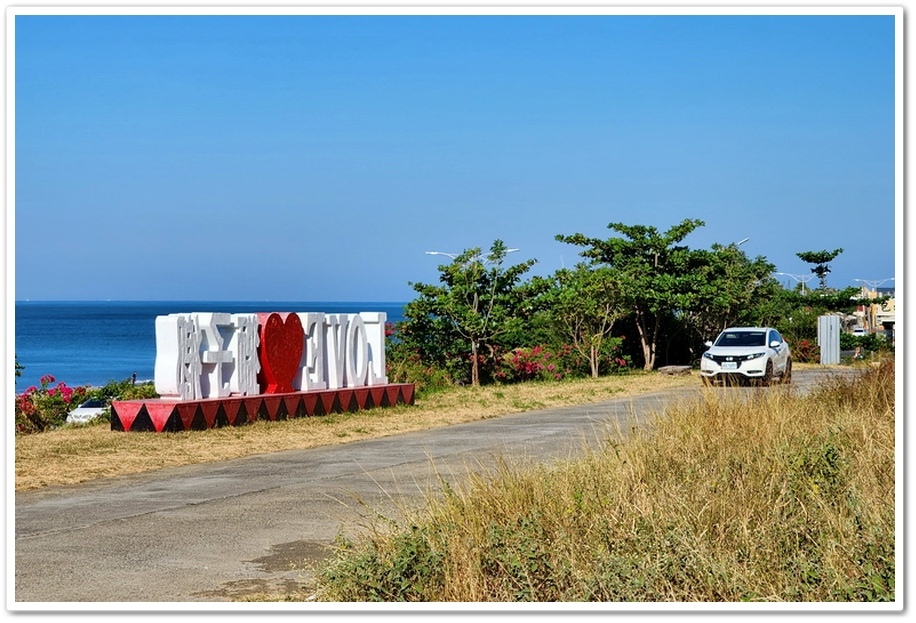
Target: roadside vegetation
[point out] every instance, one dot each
(760, 496)
(45, 406)
(73, 454)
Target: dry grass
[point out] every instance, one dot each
(72, 455)
(736, 497)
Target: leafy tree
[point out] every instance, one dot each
(771, 304)
(654, 270)
(585, 304)
(479, 301)
(424, 338)
(820, 263)
(727, 285)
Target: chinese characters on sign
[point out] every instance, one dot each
(216, 355)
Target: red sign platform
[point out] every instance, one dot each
(158, 415)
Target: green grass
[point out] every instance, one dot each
(758, 496)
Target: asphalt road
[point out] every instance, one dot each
(219, 532)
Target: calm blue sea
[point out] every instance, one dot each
(94, 342)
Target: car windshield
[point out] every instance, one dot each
(742, 338)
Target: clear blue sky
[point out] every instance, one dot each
(319, 157)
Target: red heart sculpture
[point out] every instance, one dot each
(280, 351)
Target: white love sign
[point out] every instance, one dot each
(218, 354)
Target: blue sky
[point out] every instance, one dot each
(315, 157)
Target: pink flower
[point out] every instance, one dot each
(47, 379)
(26, 405)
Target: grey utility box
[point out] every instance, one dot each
(828, 338)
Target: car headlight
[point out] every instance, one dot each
(754, 356)
(706, 355)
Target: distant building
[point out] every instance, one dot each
(879, 316)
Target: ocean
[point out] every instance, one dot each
(94, 342)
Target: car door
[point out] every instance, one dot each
(781, 352)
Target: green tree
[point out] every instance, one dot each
(727, 285)
(820, 263)
(585, 304)
(479, 301)
(655, 271)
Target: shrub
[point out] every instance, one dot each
(123, 390)
(406, 568)
(408, 367)
(40, 408)
(614, 359)
(806, 351)
(868, 343)
(536, 363)
(120, 390)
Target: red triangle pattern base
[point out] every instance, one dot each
(158, 415)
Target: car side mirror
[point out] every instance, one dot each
(775, 344)
(708, 344)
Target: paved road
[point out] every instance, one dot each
(221, 531)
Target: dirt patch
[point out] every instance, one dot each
(286, 575)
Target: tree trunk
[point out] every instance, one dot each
(593, 360)
(653, 344)
(648, 353)
(475, 371)
(647, 341)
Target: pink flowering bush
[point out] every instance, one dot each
(44, 407)
(555, 364)
(536, 363)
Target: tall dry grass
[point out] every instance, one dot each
(741, 496)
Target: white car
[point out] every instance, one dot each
(754, 354)
(86, 411)
(859, 331)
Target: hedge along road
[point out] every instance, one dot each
(223, 531)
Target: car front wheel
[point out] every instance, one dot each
(767, 379)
